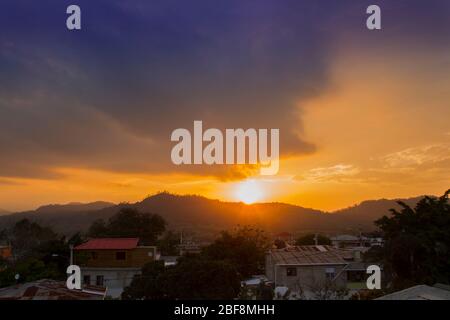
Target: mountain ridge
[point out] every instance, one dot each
(199, 212)
(74, 206)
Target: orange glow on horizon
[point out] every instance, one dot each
(249, 191)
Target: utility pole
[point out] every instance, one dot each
(71, 254)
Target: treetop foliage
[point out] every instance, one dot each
(417, 242)
(129, 222)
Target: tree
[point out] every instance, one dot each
(55, 254)
(280, 244)
(129, 222)
(98, 229)
(194, 277)
(215, 273)
(199, 278)
(147, 285)
(3, 235)
(262, 291)
(168, 243)
(417, 242)
(30, 269)
(245, 248)
(327, 290)
(26, 236)
(76, 239)
(3, 263)
(309, 239)
(39, 253)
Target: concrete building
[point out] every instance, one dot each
(351, 241)
(112, 262)
(312, 268)
(169, 260)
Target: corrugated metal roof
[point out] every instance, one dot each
(109, 244)
(50, 290)
(345, 237)
(304, 255)
(420, 292)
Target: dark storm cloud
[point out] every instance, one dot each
(109, 96)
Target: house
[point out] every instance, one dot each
(311, 268)
(351, 241)
(5, 252)
(255, 280)
(50, 290)
(169, 260)
(256, 287)
(189, 248)
(420, 292)
(112, 262)
(284, 236)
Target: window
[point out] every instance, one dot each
(356, 276)
(87, 280)
(330, 273)
(291, 272)
(121, 255)
(99, 280)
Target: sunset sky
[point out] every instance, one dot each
(87, 115)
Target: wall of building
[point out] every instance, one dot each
(114, 279)
(134, 258)
(269, 267)
(307, 276)
(142, 255)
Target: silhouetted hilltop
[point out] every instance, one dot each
(73, 207)
(370, 210)
(191, 211)
(65, 218)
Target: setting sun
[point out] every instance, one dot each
(249, 191)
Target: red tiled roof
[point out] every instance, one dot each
(109, 244)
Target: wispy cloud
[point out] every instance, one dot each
(416, 156)
(337, 172)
